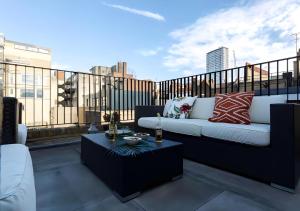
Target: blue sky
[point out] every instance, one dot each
(159, 39)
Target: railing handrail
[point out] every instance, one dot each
(233, 68)
(68, 71)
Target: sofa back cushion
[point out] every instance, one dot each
(260, 108)
(203, 108)
(233, 108)
(175, 109)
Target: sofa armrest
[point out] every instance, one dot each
(10, 120)
(146, 111)
(285, 144)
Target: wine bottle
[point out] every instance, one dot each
(112, 130)
(158, 129)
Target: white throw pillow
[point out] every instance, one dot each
(167, 107)
(260, 107)
(203, 108)
(177, 103)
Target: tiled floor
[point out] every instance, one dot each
(63, 183)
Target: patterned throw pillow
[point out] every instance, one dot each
(181, 107)
(232, 108)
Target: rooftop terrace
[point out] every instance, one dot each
(63, 183)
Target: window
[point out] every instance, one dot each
(27, 79)
(27, 93)
(39, 93)
(11, 91)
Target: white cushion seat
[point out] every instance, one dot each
(253, 134)
(190, 127)
(17, 189)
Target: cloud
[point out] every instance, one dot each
(150, 52)
(259, 31)
(144, 13)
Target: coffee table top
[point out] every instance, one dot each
(102, 140)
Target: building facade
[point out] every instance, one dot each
(217, 60)
(26, 79)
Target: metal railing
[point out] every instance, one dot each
(54, 97)
(266, 78)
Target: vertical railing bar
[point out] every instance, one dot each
(131, 98)
(200, 86)
(252, 77)
(127, 97)
(277, 78)
(268, 78)
(100, 99)
(232, 80)
(15, 78)
(196, 86)
(226, 91)
(77, 98)
(64, 85)
(50, 91)
(238, 79)
(123, 90)
(34, 95)
(215, 83)
(260, 79)
(287, 79)
(245, 77)
(42, 96)
(57, 97)
(205, 84)
(297, 80)
(221, 73)
(119, 97)
(105, 94)
(90, 115)
(71, 94)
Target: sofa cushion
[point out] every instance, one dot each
(203, 108)
(232, 108)
(17, 190)
(167, 107)
(253, 134)
(22, 134)
(260, 108)
(183, 126)
(175, 109)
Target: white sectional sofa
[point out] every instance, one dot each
(257, 133)
(17, 188)
(265, 150)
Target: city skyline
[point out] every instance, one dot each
(152, 37)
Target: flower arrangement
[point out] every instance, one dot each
(116, 116)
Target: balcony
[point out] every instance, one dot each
(59, 106)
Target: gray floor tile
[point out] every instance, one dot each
(183, 194)
(110, 204)
(67, 188)
(228, 201)
(46, 159)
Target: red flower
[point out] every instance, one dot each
(185, 108)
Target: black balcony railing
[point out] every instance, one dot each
(54, 97)
(266, 78)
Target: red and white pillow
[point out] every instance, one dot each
(232, 108)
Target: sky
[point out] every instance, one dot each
(159, 39)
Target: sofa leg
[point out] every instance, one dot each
(282, 188)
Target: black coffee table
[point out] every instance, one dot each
(128, 175)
